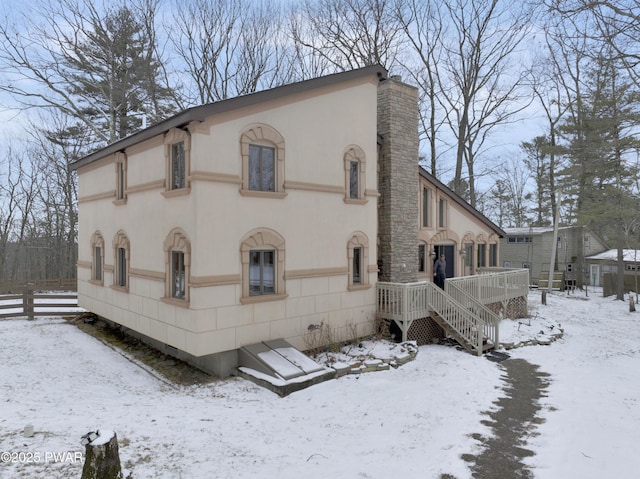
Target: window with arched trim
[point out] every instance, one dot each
(177, 151)
(355, 169)
(121, 254)
(177, 248)
(97, 258)
(358, 261)
(262, 150)
(262, 254)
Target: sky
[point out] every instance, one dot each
(414, 421)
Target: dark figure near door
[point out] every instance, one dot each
(439, 271)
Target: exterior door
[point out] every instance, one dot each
(594, 274)
(449, 257)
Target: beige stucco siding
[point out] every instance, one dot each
(312, 217)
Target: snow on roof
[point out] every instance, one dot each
(533, 230)
(629, 255)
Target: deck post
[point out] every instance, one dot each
(27, 300)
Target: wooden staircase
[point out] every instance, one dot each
(471, 347)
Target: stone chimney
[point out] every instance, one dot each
(398, 213)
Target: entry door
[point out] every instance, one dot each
(449, 257)
(594, 274)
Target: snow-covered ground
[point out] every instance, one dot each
(414, 421)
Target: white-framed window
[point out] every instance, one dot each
(262, 254)
(493, 255)
(422, 257)
(482, 255)
(442, 213)
(262, 150)
(262, 168)
(177, 249)
(355, 170)
(121, 255)
(97, 259)
(519, 239)
(121, 178)
(426, 205)
(357, 255)
(178, 178)
(178, 161)
(262, 272)
(178, 276)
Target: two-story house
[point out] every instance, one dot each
(260, 217)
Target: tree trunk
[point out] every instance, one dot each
(102, 460)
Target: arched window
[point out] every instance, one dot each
(354, 168)
(262, 253)
(262, 151)
(177, 248)
(121, 254)
(97, 259)
(358, 258)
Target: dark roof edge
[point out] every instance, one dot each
(460, 201)
(200, 113)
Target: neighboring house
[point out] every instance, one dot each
(267, 216)
(605, 263)
(532, 248)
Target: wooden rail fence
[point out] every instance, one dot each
(30, 303)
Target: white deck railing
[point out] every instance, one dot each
(495, 285)
(462, 305)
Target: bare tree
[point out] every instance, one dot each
(226, 49)
(479, 89)
(423, 28)
(339, 35)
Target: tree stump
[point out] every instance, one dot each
(102, 460)
(544, 298)
(632, 304)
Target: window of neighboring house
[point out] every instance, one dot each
(262, 274)
(177, 247)
(493, 254)
(357, 253)
(422, 258)
(262, 151)
(262, 255)
(425, 207)
(519, 239)
(262, 174)
(442, 213)
(97, 260)
(526, 265)
(482, 255)
(177, 152)
(354, 166)
(121, 177)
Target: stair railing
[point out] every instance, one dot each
(490, 320)
(462, 320)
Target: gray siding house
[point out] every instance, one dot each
(531, 248)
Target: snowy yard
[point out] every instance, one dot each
(414, 421)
